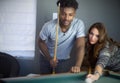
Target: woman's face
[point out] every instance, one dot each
(93, 36)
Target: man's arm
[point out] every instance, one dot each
(80, 50)
(43, 47)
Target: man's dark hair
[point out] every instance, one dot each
(68, 3)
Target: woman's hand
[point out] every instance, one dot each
(94, 77)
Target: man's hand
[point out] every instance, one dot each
(75, 69)
(53, 62)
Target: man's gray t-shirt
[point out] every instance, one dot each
(65, 40)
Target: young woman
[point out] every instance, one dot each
(102, 52)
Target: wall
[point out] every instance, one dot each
(106, 11)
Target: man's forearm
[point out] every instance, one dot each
(80, 56)
(80, 48)
(44, 49)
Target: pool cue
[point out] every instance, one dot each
(56, 39)
(89, 70)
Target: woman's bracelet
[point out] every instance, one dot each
(96, 72)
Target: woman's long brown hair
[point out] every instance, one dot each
(93, 50)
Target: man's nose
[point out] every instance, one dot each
(66, 17)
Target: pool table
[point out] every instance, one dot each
(63, 78)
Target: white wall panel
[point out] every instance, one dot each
(17, 27)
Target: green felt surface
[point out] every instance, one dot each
(64, 78)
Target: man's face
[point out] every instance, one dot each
(66, 16)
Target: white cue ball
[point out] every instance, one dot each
(88, 80)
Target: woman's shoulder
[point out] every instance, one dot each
(109, 48)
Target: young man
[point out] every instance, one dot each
(70, 32)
